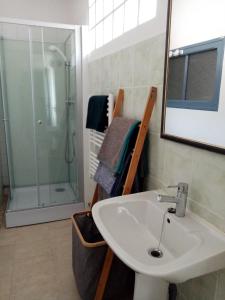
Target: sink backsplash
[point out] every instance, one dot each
(136, 69)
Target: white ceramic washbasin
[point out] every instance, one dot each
(131, 225)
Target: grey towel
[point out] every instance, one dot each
(112, 185)
(114, 141)
(102, 195)
(105, 178)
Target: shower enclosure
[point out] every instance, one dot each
(39, 101)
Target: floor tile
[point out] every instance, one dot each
(6, 260)
(32, 249)
(36, 263)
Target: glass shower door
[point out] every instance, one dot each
(51, 117)
(5, 131)
(20, 137)
(39, 98)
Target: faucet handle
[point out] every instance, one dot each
(182, 187)
(172, 186)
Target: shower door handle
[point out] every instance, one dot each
(39, 122)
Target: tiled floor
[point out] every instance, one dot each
(36, 264)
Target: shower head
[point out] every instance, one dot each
(56, 49)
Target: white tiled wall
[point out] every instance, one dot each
(136, 69)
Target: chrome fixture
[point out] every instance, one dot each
(56, 49)
(180, 199)
(69, 143)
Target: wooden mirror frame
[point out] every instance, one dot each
(163, 135)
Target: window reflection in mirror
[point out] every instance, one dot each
(194, 89)
(194, 76)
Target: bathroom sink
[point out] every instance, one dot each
(131, 225)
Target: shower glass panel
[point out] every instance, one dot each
(39, 98)
(20, 121)
(5, 130)
(71, 113)
(39, 76)
(51, 73)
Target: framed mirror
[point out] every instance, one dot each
(194, 79)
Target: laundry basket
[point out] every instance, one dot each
(88, 251)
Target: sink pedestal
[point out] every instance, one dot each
(150, 288)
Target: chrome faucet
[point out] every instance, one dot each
(180, 199)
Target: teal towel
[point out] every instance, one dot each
(126, 147)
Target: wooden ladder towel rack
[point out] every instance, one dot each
(130, 176)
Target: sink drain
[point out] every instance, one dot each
(155, 252)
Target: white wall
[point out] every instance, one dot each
(189, 27)
(56, 11)
(80, 12)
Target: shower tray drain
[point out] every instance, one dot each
(155, 252)
(58, 190)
